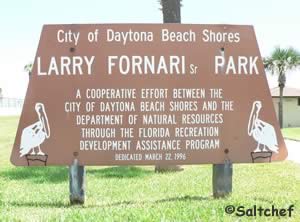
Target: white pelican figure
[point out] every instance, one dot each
(34, 135)
(261, 131)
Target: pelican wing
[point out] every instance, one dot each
(267, 135)
(32, 136)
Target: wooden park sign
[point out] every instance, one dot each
(136, 94)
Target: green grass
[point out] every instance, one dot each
(291, 133)
(139, 194)
(8, 127)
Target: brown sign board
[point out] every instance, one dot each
(143, 94)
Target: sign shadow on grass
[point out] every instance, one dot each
(60, 204)
(60, 174)
(170, 199)
(121, 172)
(37, 174)
(57, 204)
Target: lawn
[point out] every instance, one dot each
(139, 194)
(291, 133)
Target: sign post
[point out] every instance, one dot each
(148, 94)
(77, 183)
(222, 179)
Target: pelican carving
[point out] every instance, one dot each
(264, 133)
(34, 135)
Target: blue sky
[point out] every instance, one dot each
(276, 23)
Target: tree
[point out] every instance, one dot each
(171, 11)
(28, 68)
(171, 14)
(280, 62)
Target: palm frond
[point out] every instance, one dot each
(28, 67)
(282, 60)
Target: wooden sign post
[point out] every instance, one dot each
(77, 183)
(222, 179)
